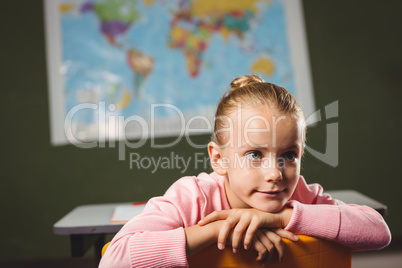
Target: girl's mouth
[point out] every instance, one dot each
(271, 193)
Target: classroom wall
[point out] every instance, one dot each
(355, 59)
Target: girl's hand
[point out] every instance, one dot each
(246, 222)
(267, 241)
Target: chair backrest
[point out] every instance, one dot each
(308, 252)
(104, 248)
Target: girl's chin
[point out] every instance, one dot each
(270, 209)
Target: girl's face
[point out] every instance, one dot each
(261, 159)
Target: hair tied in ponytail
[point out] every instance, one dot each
(245, 80)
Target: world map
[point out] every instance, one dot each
(134, 53)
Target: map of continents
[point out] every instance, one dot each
(184, 52)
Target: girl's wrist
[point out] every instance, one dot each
(286, 215)
(199, 237)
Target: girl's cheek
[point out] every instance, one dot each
(291, 171)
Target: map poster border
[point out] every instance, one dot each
(60, 136)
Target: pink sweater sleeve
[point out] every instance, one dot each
(156, 237)
(317, 214)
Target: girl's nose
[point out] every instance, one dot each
(273, 175)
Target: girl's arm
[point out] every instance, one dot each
(357, 227)
(151, 239)
(317, 214)
(157, 237)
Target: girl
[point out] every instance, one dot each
(254, 197)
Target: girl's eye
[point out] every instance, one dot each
(289, 156)
(254, 155)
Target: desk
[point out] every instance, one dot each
(88, 224)
(355, 197)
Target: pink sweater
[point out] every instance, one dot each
(156, 237)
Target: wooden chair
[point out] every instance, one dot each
(308, 252)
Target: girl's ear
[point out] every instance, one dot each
(216, 158)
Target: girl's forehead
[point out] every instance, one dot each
(262, 117)
(263, 127)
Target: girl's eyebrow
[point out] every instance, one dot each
(296, 146)
(266, 147)
(255, 146)
(261, 147)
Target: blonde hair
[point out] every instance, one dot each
(252, 91)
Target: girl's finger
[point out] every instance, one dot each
(227, 226)
(266, 243)
(260, 248)
(214, 216)
(238, 233)
(251, 230)
(286, 234)
(278, 244)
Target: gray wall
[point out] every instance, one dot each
(355, 52)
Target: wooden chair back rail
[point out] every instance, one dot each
(308, 252)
